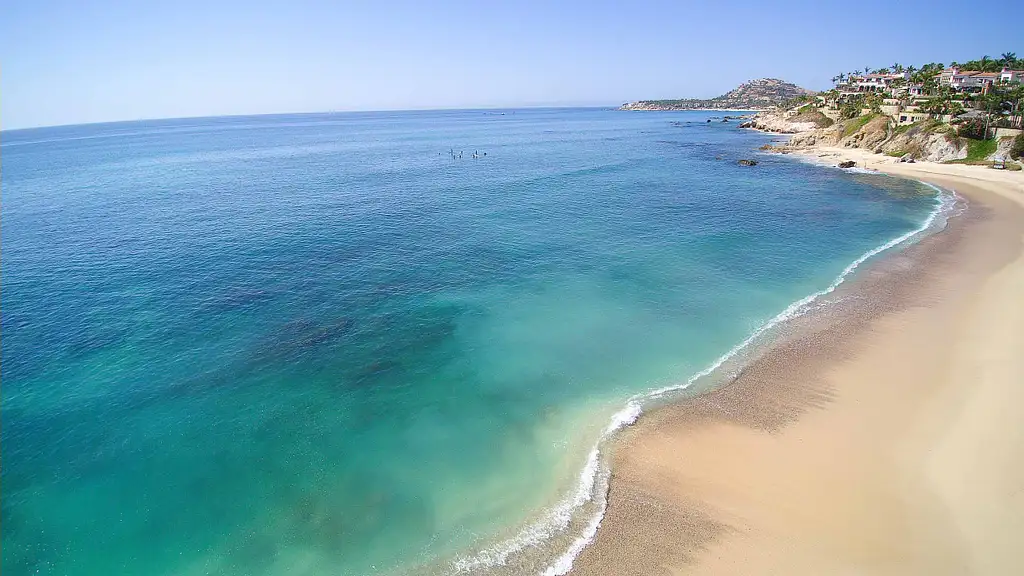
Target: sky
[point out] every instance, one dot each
(71, 62)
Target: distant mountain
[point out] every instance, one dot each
(753, 95)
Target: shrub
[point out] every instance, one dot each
(1017, 148)
(853, 125)
(972, 128)
(811, 114)
(850, 110)
(978, 150)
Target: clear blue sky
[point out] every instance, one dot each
(66, 62)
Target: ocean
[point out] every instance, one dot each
(320, 344)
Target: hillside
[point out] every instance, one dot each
(753, 95)
(929, 140)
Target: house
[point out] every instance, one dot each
(968, 80)
(875, 82)
(1007, 76)
(915, 90)
(906, 117)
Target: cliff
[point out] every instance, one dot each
(754, 95)
(929, 140)
(794, 121)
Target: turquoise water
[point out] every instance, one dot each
(316, 344)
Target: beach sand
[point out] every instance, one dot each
(886, 436)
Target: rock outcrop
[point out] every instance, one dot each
(754, 95)
(783, 122)
(929, 140)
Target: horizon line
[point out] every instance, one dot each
(430, 109)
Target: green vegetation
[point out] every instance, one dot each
(980, 149)
(791, 103)
(1010, 166)
(811, 114)
(853, 125)
(874, 103)
(928, 125)
(1017, 149)
(926, 73)
(986, 64)
(977, 151)
(997, 105)
(974, 128)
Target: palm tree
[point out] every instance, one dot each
(985, 60)
(1008, 59)
(897, 68)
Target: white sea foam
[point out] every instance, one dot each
(594, 478)
(563, 563)
(558, 518)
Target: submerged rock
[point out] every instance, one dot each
(746, 162)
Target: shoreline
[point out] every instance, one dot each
(593, 486)
(563, 524)
(676, 524)
(620, 109)
(921, 169)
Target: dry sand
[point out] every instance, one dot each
(885, 437)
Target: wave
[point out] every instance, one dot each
(595, 477)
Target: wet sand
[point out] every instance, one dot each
(884, 436)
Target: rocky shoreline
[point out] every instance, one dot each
(776, 122)
(929, 140)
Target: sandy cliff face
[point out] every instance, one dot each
(928, 141)
(778, 122)
(935, 147)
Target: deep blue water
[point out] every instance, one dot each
(316, 344)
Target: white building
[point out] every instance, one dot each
(1008, 75)
(875, 82)
(969, 80)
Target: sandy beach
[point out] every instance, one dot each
(884, 437)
